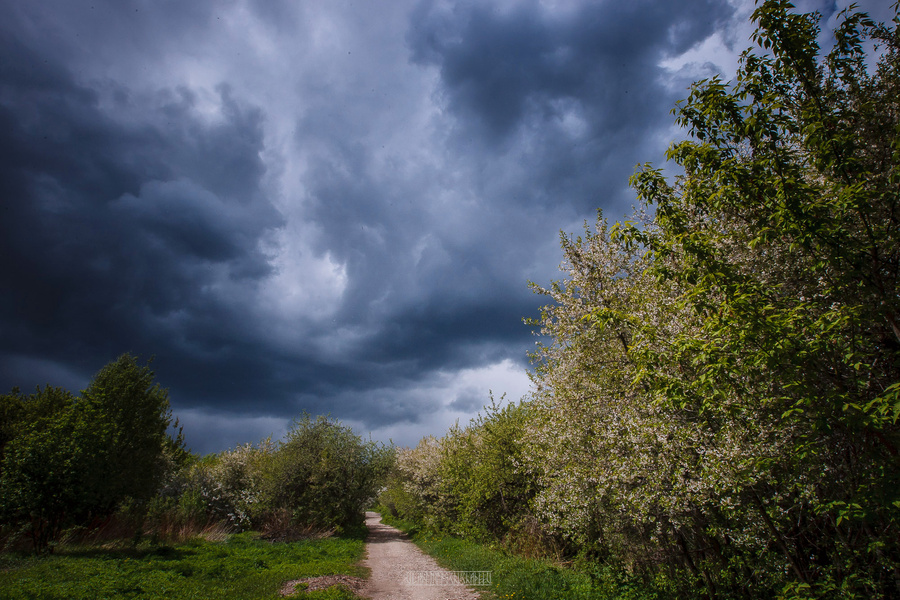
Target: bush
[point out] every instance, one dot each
(325, 474)
(480, 470)
(413, 486)
(231, 485)
(471, 482)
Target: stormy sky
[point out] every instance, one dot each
(324, 206)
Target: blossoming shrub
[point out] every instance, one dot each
(225, 488)
(720, 393)
(412, 490)
(472, 482)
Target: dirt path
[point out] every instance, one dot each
(399, 568)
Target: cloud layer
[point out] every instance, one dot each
(331, 207)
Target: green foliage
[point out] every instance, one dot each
(18, 411)
(324, 474)
(413, 487)
(232, 484)
(718, 400)
(124, 415)
(320, 477)
(242, 568)
(470, 482)
(41, 484)
(225, 488)
(479, 470)
(72, 461)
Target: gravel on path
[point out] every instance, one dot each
(398, 568)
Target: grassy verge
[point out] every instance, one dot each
(241, 567)
(517, 578)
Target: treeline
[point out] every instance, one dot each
(111, 463)
(717, 390)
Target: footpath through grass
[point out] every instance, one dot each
(517, 578)
(242, 567)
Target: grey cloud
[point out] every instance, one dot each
(428, 289)
(504, 67)
(558, 107)
(468, 401)
(119, 210)
(429, 151)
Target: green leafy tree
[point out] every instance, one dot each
(123, 418)
(18, 411)
(75, 460)
(784, 234)
(40, 482)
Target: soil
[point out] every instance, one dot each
(311, 584)
(395, 562)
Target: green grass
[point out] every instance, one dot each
(242, 567)
(517, 578)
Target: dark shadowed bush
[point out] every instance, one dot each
(72, 461)
(325, 474)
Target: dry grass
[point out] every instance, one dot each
(123, 530)
(215, 532)
(14, 540)
(280, 527)
(176, 531)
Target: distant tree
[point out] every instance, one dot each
(325, 474)
(123, 418)
(75, 460)
(413, 488)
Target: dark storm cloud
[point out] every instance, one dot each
(510, 79)
(525, 70)
(426, 296)
(120, 211)
(328, 207)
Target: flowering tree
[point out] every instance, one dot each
(720, 390)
